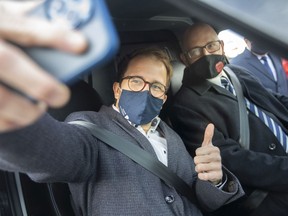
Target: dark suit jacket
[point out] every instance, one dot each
(197, 104)
(256, 68)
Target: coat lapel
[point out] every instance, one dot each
(171, 147)
(203, 87)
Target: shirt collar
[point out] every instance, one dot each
(217, 80)
(260, 56)
(154, 124)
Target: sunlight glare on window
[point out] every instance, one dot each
(234, 43)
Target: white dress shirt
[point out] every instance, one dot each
(217, 80)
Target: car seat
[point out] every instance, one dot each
(176, 80)
(175, 84)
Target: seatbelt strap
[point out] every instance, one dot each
(257, 196)
(244, 123)
(140, 156)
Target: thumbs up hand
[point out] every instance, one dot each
(208, 160)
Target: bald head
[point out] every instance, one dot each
(198, 35)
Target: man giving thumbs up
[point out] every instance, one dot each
(208, 160)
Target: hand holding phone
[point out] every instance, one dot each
(91, 18)
(22, 77)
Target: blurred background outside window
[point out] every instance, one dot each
(234, 44)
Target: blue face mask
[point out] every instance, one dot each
(139, 107)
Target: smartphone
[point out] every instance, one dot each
(92, 18)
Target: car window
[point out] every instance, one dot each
(234, 43)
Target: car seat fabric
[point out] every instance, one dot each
(176, 80)
(175, 84)
(83, 98)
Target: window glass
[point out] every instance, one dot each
(234, 43)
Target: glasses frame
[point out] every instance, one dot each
(145, 83)
(201, 49)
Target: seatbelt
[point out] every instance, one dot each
(257, 196)
(244, 123)
(140, 156)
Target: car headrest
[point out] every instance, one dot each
(176, 80)
(83, 98)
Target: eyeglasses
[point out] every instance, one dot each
(197, 52)
(137, 84)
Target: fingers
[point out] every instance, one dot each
(20, 72)
(207, 158)
(209, 166)
(207, 154)
(208, 135)
(207, 163)
(214, 177)
(37, 32)
(19, 7)
(16, 111)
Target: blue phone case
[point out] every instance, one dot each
(94, 22)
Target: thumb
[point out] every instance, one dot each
(208, 135)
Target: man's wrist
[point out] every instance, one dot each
(222, 182)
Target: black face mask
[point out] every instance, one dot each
(206, 67)
(256, 48)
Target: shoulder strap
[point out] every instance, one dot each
(257, 196)
(244, 123)
(141, 157)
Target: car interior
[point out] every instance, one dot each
(140, 23)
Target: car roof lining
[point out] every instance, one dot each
(141, 9)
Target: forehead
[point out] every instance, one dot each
(199, 36)
(148, 67)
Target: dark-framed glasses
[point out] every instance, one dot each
(197, 52)
(137, 84)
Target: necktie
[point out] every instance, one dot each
(227, 85)
(266, 65)
(266, 119)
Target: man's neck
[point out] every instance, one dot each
(146, 127)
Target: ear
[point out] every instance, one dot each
(116, 90)
(222, 45)
(184, 59)
(164, 98)
(248, 43)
